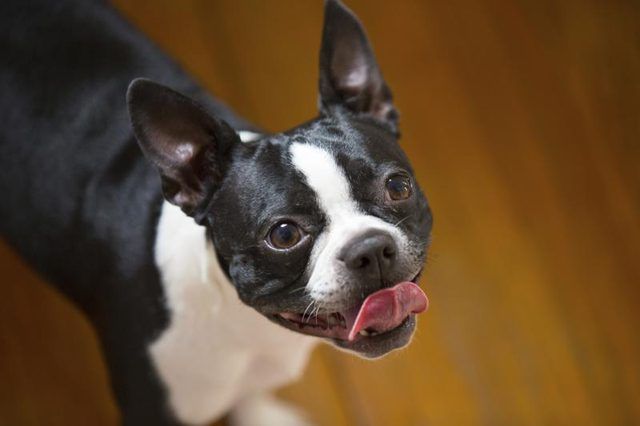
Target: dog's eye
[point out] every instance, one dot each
(399, 187)
(284, 235)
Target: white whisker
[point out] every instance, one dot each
(402, 220)
(305, 311)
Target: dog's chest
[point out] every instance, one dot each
(216, 350)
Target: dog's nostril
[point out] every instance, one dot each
(388, 252)
(364, 262)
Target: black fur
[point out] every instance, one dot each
(81, 203)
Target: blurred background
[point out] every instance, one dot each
(522, 119)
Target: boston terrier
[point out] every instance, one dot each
(209, 256)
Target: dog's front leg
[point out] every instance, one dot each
(140, 396)
(265, 410)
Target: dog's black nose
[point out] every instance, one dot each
(370, 256)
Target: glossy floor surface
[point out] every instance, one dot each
(522, 119)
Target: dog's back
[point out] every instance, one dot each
(70, 171)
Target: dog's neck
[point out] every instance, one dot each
(216, 348)
(186, 256)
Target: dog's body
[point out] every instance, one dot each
(84, 207)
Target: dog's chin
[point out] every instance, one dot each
(381, 344)
(368, 345)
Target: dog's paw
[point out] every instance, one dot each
(266, 410)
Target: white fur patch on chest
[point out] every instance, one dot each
(216, 350)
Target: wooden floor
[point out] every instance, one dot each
(522, 119)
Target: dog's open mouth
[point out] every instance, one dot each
(380, 312)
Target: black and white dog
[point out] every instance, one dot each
(209, 282)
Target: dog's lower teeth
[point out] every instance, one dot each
(364, 333)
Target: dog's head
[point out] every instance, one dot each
(323, 228)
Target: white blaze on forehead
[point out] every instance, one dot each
(329, 282)
(326, 178)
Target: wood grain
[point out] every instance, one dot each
(522, 119)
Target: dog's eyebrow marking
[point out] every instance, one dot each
(325, 177)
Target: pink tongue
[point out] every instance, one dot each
(386, 309)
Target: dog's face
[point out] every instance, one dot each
(323, 229)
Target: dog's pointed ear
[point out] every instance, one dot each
(189, 147)
(349, 73)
